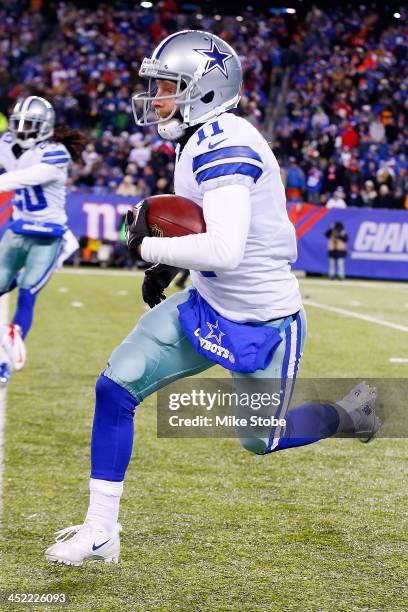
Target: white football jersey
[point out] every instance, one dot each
(44, 203)
(229, 151)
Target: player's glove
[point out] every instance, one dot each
(136, 227)
(156, 279)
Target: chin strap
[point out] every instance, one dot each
(26, 144)
(172, 129)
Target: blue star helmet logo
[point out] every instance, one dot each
(216, 59)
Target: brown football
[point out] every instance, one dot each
(172, 215)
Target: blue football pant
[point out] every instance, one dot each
(26, 262)
(156, 353)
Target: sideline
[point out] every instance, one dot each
(355, 315)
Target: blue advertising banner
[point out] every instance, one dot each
(377, 246)
(95, 216)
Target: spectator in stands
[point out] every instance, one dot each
(337, 200)
(369, 194)
(346, 97)
(333, 178)
(342, 118)
(385, 176)
(385, 198)
(126, 187)
(377, 130)
(295, 180)
(354, 198)
(314, 184)
(140, 154)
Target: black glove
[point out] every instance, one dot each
(136, 227)
(156, 279)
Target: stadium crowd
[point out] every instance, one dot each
(343, 133)
(88, 67)
(340, 138)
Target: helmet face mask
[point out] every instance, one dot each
(187, 92)
(32, 121)
(207, 73)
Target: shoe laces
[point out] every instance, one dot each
(64, 534)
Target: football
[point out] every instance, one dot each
(171, 215)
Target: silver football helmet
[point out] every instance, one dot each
(208, 75)
(32, 121)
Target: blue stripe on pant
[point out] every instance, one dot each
(278, 377)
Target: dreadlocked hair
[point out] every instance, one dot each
(74, 140)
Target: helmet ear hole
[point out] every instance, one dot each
(209, 97)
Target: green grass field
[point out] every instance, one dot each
(206, 526)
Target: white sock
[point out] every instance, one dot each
(4, 330)
(104, 503)
(4, 358)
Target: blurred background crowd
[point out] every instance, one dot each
(344, 128)
(329, 92)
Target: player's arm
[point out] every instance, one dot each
(226, 212)
(38, 174)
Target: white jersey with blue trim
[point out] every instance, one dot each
(230, 151)
(39, 196)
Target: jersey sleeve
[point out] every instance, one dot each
(6, 139)
(37, 174)
(55, 154)
(221, 247)
(229, 163)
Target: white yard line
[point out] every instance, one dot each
(399, 360)
(368, 284)
(355, 315)
(4, 309)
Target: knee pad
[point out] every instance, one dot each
(133, 364)
(127, 366)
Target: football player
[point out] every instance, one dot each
(244, 297)
(34, 158)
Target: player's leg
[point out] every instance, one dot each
(13, 285)
(277, 380)
(155, 353)
(332, 267)
(13, 253)
(42, 257)
(311, 422)
(341, 268)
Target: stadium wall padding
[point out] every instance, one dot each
(377, 247)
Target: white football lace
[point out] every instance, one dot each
(63, 534)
